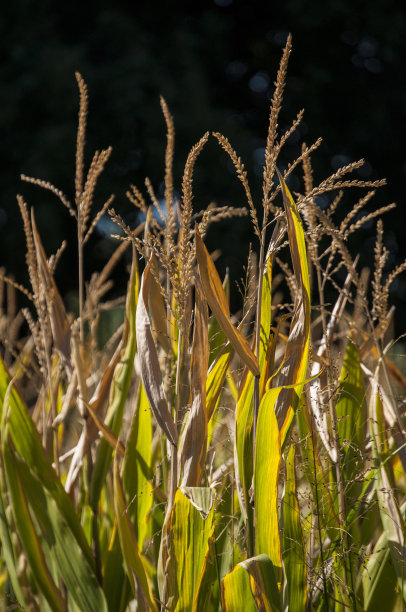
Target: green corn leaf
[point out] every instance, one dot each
(236, 593)
(191, 568)
(351, 415)
(215, 379)
(62, 547)
(120, 386)
(133, 561)
(244, 412)
(244, 447)
(9, 553)
(266, 475)
(251, 586)
(293, 546)
(27, 533)
(266, 303)
(27, 443)
(378, 579)
(116, 585)
(137, 469)
(314, 472)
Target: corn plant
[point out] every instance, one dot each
(199, 459)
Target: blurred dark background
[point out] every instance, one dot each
(215, 63)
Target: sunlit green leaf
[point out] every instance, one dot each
(293, 545)
(137, 469)
(191, 569)
(251, 585)
(266, 475)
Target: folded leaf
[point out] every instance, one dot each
(391, 516)
(149, 364)
(192, 450)
(218, 303)
(297, 350)
(57, 314)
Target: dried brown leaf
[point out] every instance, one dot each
(217, 301)
(149, 364)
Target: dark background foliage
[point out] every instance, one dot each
(215, 63)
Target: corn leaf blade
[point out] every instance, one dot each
(251, 585)
(27, 443)
(137, 469)
(218, 303)
(391, 517)
(191, 567)
(293, 546)
(149, 364)
(27, 533)
(78, 576)
(192, 449)
(133, 561)
(296, 357)
(266, 475)
(120, 385)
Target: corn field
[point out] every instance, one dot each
(199, 459)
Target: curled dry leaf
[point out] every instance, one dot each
(149, 364)
(193, 447)
(56, 308)
(217, 300)
(158, 309)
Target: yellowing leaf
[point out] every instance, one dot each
(217, 301)
(244, 445)
(27, 443)
(297, 349)
(215, 379)
(119, 385)
(137, 470)
(26, 531)
(293, 546)
(191, 565)
(266, 475)
(251, 586)
(129, 545)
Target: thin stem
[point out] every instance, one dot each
(333, 417)
(316, 490)
(80, 264)
(257, 348)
